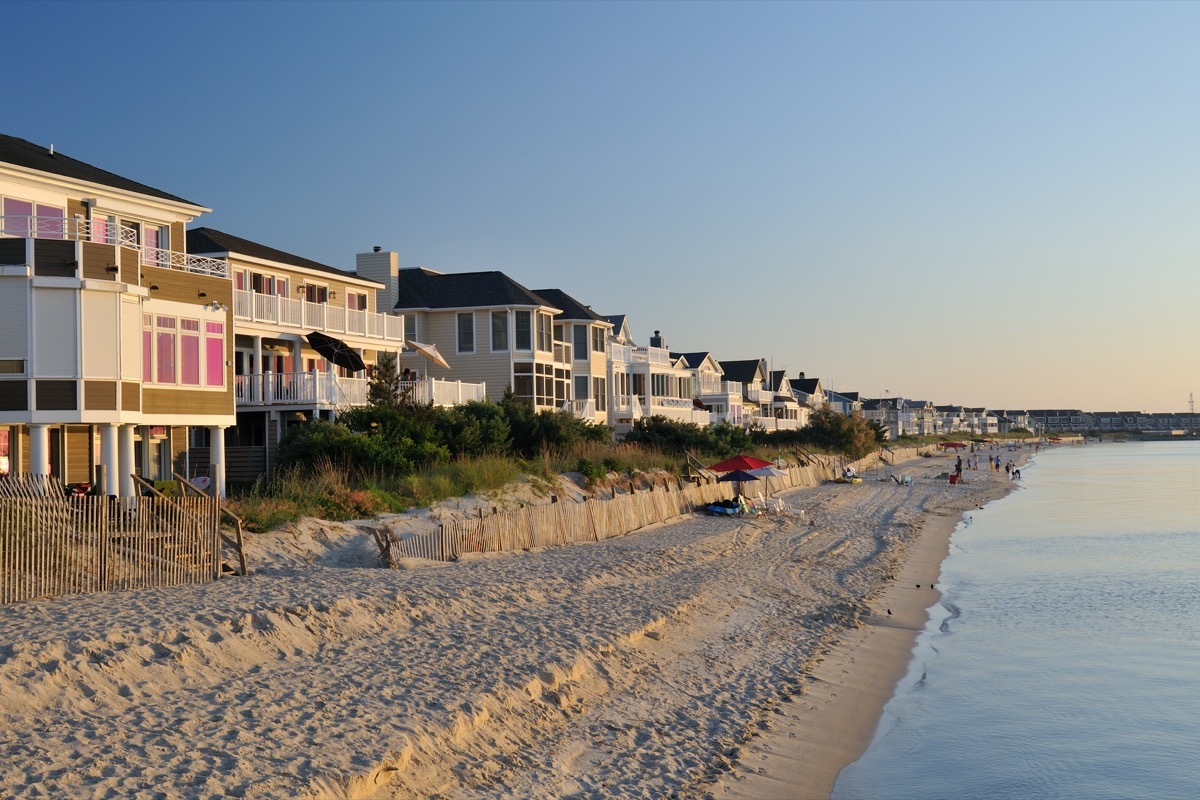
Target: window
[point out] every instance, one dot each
(410, 327)
(189, 352)
(597, 340)
(545, 333)
(104, 228)
(536, 383)
(581, 341)
(600, 394)
(356, 301)
(214, 351)
(581, 387)
(523, 330)
(147, 348)
(164, 346)
(466, 332)
(16, 217)
(12, 366)
(499, 330)
(156, 241)
(50, 221)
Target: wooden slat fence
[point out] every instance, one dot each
(51, 544)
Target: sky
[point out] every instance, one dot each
(983, 204)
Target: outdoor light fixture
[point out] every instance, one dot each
(112, 268)
(202, 294)
(154, 287)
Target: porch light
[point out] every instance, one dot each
(112, 268)
(202, 294)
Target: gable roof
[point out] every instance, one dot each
(424, 288)
(570, 307)
(209, 241)
(696, 360)
(744, 371)
(22, 153)
(806, 385)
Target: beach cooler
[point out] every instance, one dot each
(953, 479)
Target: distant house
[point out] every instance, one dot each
(587, 333)
(809, 391)
(788, 411)
(752, 375)
(489, 329)
(721, 398)
(649, 381)
(847, 403)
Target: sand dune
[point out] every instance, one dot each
(643, 666)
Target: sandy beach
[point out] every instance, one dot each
(713, 657)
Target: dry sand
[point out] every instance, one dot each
(713, 657)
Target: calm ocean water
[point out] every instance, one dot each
(1064, 658)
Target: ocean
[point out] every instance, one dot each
(1063, 660)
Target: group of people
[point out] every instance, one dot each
(972, 462)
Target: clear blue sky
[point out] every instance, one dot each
(979, 203)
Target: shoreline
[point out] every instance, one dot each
(832, 723)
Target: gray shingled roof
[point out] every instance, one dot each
(209, 241)
(21, 153)
(571, 308)
(423, 288)
(742, 371)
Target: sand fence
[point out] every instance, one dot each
(595, 519)
(51, 544)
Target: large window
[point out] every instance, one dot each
(580, 336)
(523, 330)
(182, 352)
(600, 394)
(535, 383)
(466, 332)
(597, 340)
(581, 387)
(410, 327)
(499, 330)
(17, 215)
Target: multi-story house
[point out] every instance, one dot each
(721, 398)
(649, 381)
(846, 403)
(491, 331)
(788, 410)
(586, 334)
(113, 339)
(809, 391)
(756, 400)
(280, 379)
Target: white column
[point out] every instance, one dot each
(110, 458)
(126, 463)
(39, 449)
(216, 459)
(256, 368)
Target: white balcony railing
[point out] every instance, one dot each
(621, 354)
(324, 390)
(709, 387)
(651, 355)
(104, 232)
(286, 312)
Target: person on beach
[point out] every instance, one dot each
(958, 466)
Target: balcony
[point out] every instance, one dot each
(656, 356)
(621, 353)
(718, 388)
(301, 314)
(324, 390)
(103, 232)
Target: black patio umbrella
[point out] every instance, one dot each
(336, 351)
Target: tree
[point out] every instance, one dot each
(384, 387)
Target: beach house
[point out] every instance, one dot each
(751, 374)
(490, 334)
(280, 303)
(585, 334)
(721, 398)
(114, 340)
